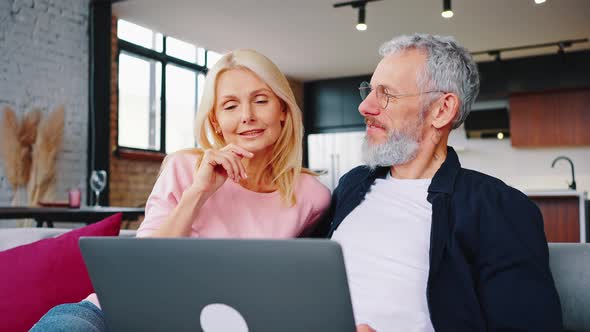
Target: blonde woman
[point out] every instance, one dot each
(245, 180)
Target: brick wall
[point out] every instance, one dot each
(131, 181)
(44, 63)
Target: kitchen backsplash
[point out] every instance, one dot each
(524, 169)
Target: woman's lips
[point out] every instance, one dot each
(252, 133)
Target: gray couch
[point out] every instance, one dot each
(13, 237)
(570, 265)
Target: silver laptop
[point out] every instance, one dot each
(219, 285)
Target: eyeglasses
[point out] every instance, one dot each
(382, 96)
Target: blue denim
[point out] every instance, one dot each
(72, 317)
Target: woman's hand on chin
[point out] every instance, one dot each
(217, 166)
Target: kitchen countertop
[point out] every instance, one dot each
(555, 193)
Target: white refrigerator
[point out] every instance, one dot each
(332, 155)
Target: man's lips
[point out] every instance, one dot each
(372, 124)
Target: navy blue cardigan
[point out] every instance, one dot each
(489, 261)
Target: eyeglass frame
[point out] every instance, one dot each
(389, 95)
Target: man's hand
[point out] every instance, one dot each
(364, 328)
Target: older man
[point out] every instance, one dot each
(428, 245)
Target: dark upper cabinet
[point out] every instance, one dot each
(500, 79)
(331, 105)
(327, 108)
(350, 108)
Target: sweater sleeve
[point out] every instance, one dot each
(515, 286)
(320, 203)
(174, 178)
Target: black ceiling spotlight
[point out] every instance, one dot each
(361, 5)
(361, 25)
(447, 11)
(496, 55)
(562, 45)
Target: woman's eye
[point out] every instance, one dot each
(261, 101)
(229, 107)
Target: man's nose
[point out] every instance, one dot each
(370, 106)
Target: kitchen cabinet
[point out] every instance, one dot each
(551, 118)
(332, 105)
(564, 215)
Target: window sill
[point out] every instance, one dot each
(132, 154)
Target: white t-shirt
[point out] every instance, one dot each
(385, 241)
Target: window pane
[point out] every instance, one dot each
(139, 35)
(182, 50)
(201, 56)
(139, 102)
(200, 86)
(212, 58)
(159, 42)
(181, 99)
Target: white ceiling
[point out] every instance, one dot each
(309, 39)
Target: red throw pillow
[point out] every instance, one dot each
(36, 277)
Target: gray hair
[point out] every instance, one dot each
(449, 67)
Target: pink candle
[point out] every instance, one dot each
(74, 197)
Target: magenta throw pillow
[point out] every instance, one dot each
(38, 276)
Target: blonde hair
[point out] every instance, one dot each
(285, 163)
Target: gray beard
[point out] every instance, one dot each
(401, 145)
(397, 150)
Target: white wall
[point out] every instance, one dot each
(44, 63)
(524, 169)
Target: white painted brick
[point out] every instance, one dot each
(40, 6)
(44, 63)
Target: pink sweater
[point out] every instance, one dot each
(233, 211)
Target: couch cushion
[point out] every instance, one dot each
(14, 237)
(43, 274)
(570, 266)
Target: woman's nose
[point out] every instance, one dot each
(247, 113)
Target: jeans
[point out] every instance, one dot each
(72, 317)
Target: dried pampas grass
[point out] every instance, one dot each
(27, 135)
(10, 147)
(48, 143)
(29, 151)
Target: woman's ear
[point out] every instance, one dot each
(445, 111)
(214, 123)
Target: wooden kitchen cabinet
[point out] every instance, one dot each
(551, 118)
(564, 215)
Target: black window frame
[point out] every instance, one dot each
(165, 59)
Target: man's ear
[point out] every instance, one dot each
(445, 111)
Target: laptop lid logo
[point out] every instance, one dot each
(218, 317)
